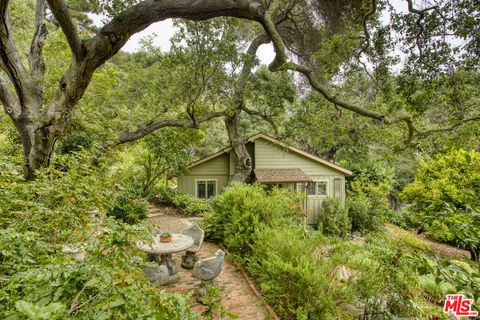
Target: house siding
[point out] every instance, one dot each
(215, 169)
(268, 155)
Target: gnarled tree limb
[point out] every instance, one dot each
(281, 63)
(265, 117)
(35, 57)
(62, 14)
(151, 127)
(10, 61)
(8, 99)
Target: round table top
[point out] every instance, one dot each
(180, 242)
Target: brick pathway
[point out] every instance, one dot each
(237, 297)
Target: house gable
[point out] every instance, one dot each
(276, 147)
(274, 156)
(218, 165)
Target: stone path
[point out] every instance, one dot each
(237, 297)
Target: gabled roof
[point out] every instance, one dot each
(281, 175)
(279, 143)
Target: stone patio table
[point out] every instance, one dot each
(161, 252)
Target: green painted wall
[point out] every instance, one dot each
(268, 155)
(215, 169)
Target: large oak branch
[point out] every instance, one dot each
(10, 60)
(62, 14)
(151, 127)
(281, 63)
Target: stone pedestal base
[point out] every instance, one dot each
(189, 259)
(165, 273)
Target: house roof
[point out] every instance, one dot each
(276, 142)
(281, 175)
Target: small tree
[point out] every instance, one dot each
(163, 154)
(444, 195)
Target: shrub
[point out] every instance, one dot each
(453, 177)
(445, 199)
(128, 207)
(302, 274)
(38, 281)
(367, 206)
(241, 209)
(334, 219)
(186, 203)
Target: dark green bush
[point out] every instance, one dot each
(241, 209)
(367, 206)
(184, 202)
(334, 219)
(128, 207)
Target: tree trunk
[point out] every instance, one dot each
(243, 169)
(38, 141)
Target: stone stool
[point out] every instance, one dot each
(207, 270)
(190, 256)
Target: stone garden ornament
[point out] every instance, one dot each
(207, 270)
(190, 257)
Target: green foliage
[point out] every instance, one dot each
(453, 177)
(241, 209)
(64, 207)
(128, 207)
(186, 203)
(367, 205)
(306, 275)
(215, 309)
(452, 276)
(444, 199)
(334, 220)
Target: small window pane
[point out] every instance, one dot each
(311, 189)
(210, 188)
(201, 189)
(322, 188)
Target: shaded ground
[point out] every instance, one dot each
(433, 247)
(237, 297)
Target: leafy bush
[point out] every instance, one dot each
(444, 199)
(241, 209)
(367, 206)
(453, 177)
(334, 219)
(128, 207)
(306, 275)
(64, 206)
(186, 203)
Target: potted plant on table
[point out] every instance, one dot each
(165, 237)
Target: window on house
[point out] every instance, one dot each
(206, 188)
(316, 188)
(301, 187)
(322, 188)
(311, 188)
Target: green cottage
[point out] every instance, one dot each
(274, 163)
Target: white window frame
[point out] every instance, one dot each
(206, 182)
(327, 193)
(316, 195)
